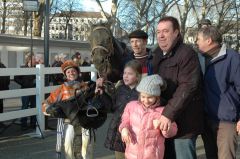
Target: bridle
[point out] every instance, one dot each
(110, 52)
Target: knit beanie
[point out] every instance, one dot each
(151, 85)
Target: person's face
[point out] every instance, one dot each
(71, 74)
(166, 35)
(32, 63)
(202, 43)
(147, 100)
(138, 46)
(130, 77)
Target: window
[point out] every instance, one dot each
(82, 28)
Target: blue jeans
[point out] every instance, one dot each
(185, 148)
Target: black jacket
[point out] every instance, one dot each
(123, 95)
(5, 80)
(180, 69)
(26, 81)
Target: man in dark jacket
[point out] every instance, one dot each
(5, 81)
(222, 95)
(178, 65)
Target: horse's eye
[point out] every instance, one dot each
(102, 61)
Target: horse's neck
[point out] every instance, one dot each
(117, 47)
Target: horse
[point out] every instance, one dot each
(109, 55)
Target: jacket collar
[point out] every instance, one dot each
(178, 41)
(221, 54)
(71, 83)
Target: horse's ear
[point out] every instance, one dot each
(90, 24)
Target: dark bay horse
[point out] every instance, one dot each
(109, 55)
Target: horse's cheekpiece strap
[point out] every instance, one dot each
(99, 47)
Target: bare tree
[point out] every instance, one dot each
(112, 17)
(236, 6)
(4, 15)
(67, 11)
(142, 14)
(38, 18)
(183, 9)
(26, 17)
(6, 10)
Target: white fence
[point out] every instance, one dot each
(40, 71)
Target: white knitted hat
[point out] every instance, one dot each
(151, 85)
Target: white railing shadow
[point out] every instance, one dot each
(40, 71)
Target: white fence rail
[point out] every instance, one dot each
(40, 71)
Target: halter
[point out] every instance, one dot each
(99, 47)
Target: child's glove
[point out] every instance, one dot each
(125, 135)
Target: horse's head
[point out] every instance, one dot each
(101, 41)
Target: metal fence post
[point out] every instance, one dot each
(40, 85)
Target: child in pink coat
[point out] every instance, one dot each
(139, 127)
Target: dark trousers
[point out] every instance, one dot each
(119, 155)
(1, 105)
(220, 140)
(28, 102)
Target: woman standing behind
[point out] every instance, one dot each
(140, 125)
(125, 93)
(27, 81)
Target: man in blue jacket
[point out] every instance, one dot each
(222, 95)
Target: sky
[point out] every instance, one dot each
(91, 5)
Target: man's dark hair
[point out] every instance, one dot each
(173, 20)
(211, 32)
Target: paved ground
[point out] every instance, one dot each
(18, 144)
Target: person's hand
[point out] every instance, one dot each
(125, 136)
(44, 112)
(238, 127)
(156, 123)
(165, 123)
(99, 85)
